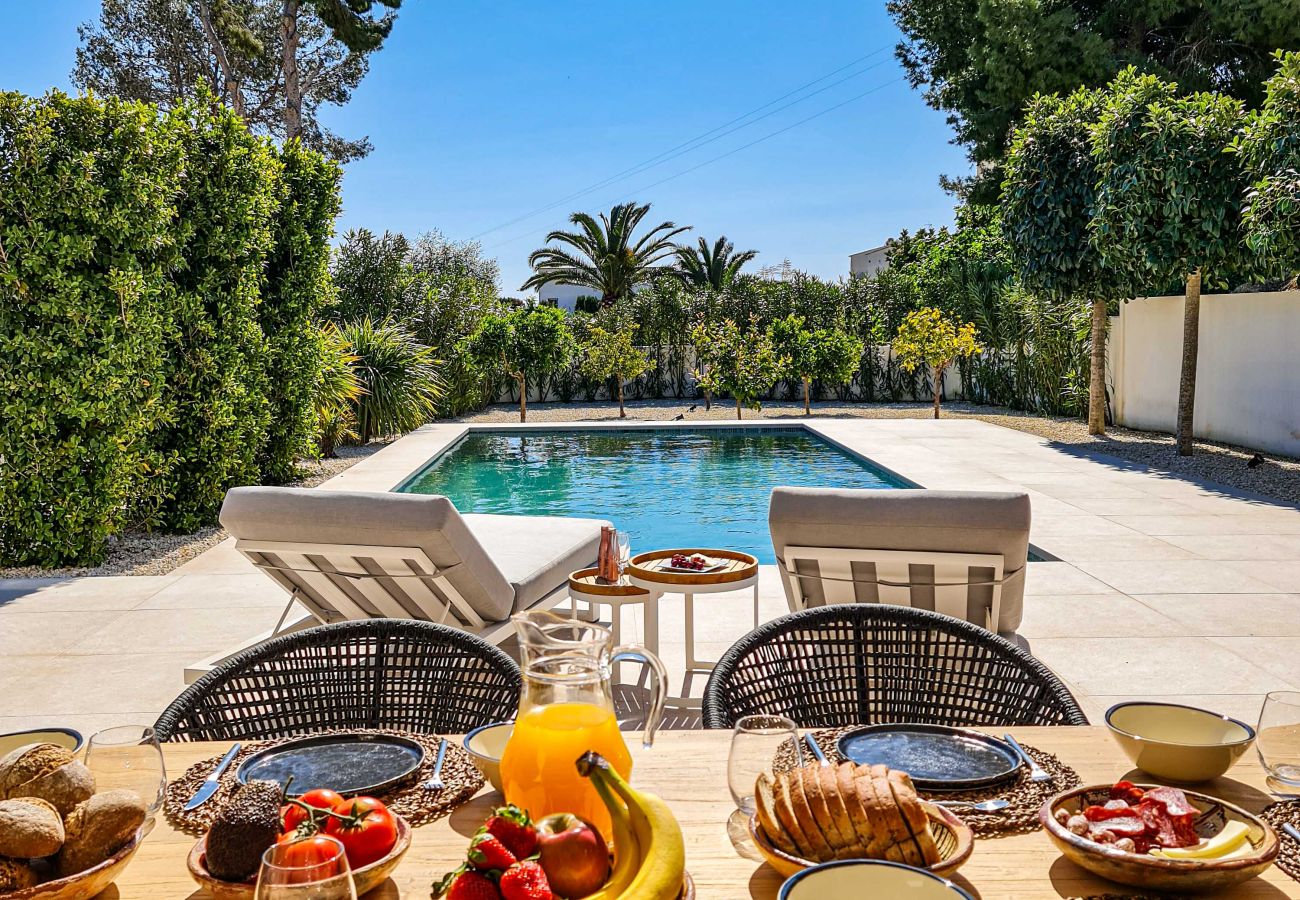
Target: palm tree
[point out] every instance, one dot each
(604, 256)
(712, 267)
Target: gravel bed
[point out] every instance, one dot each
(149, 553)
(1277, 477)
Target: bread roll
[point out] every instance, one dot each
(30, 828)
(22, 764)
(64, 787)
(16, 875)
(98, 828)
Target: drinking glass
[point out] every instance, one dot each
(1278, 737)
(754, 744)
(624, 541)
(129, 757)
(314, 868)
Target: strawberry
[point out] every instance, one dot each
(466, 884)
(511, 826)
(487, 853)
(525, 881)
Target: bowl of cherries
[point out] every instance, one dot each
(692, 562)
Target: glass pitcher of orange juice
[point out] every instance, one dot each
(567, 708)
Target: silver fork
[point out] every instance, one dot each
(435, 780)
(1036, 772)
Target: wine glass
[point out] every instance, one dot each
(312, 868)
(754, 745)
(1278, 739)
(129, 757)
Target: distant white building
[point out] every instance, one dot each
(868, 262)
(565, 296)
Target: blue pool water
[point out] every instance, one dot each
(665, 487)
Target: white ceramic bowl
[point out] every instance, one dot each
(1178, 743)
(855, 879)
(64, 737)
(486, 744)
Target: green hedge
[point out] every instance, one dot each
(87, 194)
(297, 288)
(159, 276)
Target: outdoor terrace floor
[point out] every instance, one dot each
(1162, 586)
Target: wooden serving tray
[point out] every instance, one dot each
(584, 582)
(650, 567)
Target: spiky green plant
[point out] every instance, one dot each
(399, 375)
(337, 390)
(715, 266)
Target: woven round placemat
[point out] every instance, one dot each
(1277, 815)
(1026, 797)
(412, 802)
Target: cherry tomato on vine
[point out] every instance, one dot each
(368, 833)
(292, 815)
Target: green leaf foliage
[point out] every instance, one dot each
(531, 341)
(88, 193)
(296, 288)
(1269, 149)
(398, 376)
(1168, 196)
(741, 362)
(611, 354)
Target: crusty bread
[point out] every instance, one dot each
(820, 813)
(785, 812)
(811, 810)
(768, 819)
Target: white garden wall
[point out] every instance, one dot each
(1248, 370)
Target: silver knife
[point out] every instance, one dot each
(816, 748)
(1292, 831)
(212, 782)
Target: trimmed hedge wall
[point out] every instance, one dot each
(142, 258)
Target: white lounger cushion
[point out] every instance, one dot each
(536, 553)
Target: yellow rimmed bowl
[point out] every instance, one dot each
(485, 745)
(1178, 743)
(852, 879)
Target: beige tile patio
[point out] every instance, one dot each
(1240, 546)
(1177, 576)
(1279, 656)
(1144, 506)
(251, 589)
(1132, 546)
(1280, 575)
(200, 631)
(116, 592)
(1106, 666)
(1209, 524)
(44, 633)
(1061, 578)
(1245, 615)
(57, 687)
(1091, 615)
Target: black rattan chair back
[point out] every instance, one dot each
(865, 663)
(376, 673)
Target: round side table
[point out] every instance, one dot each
(650, 571)
(584, 587)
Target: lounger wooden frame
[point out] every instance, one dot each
(893, 582)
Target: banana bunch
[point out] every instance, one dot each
(649, 854)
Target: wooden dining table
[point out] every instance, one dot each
(689, 770)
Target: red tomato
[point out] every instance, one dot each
(371, 837)
(306, 853)
(293, 815)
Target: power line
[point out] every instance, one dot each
(700, 139)
(735, 150)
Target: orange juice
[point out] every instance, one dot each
(538, 768)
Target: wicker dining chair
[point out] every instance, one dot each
(376, 673)
(850, 664)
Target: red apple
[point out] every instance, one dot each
(573, 854)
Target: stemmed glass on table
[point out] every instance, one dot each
(755, 742)
(1277, 740)
(128, 757)
(314, 868)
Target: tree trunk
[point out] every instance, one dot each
(621, 413)
(938, 390)
(289, 63)
(807, 405)
(1097, 369)
(523, 396)
(231, 83)
(738, 416)
(1187, 383)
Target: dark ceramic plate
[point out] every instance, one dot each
(936, 756)
(350, 764)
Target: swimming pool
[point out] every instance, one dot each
(667, 487)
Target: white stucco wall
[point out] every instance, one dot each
(1248, 368)
(565, 296)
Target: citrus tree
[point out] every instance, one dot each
(928, 337)
(741, 362)
(1269, 148)
(611, 354)
(531, 340)
(1168, 200)
(1048, 200)
(828, 355)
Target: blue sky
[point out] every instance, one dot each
(482, 113)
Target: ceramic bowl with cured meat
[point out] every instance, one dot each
(1172, 821)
